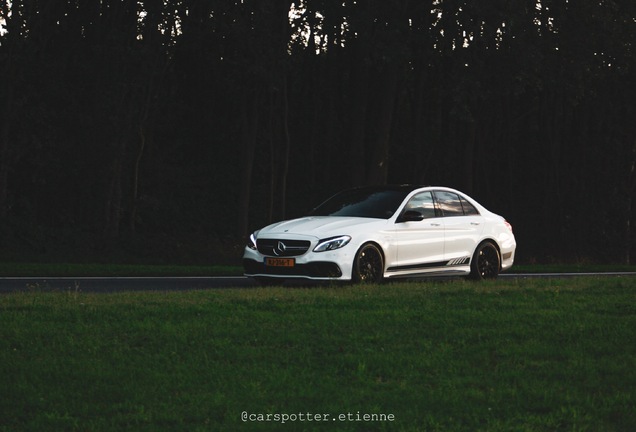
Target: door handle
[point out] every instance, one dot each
(435, 224)
(475, 223)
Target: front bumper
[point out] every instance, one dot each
(331, 265)
(310, 270)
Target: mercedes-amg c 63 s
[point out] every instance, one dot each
(369, 234)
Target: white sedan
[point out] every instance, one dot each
(369, 234)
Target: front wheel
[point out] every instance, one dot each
(486, 262)
(368, 265)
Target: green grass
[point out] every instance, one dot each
(511, 355)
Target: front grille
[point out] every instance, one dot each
(282, 248)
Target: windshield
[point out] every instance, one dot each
(364, 202)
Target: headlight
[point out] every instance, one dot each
(332, 243)
(251, 242)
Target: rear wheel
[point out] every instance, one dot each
(368, 265)
(486, 262)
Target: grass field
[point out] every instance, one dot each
(511, 355)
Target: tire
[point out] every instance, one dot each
(368, 265)
(486, 262)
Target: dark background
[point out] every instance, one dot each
(164, 131)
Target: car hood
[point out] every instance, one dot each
(319, 226)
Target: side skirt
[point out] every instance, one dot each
(441, 265)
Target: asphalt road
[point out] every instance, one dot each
(118, 284)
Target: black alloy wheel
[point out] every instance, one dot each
(486, 262)
(368, 266)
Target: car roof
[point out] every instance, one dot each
(381, 188)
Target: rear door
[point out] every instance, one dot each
(462, 227)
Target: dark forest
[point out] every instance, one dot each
(165, 131)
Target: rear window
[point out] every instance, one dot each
(452, 204)
(469, 209)
(449, 203)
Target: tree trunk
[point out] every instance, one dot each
(378, 167)
(5, 126)
(358, 110)
(249, 127)
(469, 156)
(629, 204)
(4, 160)
(114, 197)
(285, 170)
(135, 186)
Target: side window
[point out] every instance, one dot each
(422, 203)
(469, 209)
(449, 203)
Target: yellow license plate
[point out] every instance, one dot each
(279, 262)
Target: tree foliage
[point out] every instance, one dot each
(175, 123)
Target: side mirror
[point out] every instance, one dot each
(411, 216)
